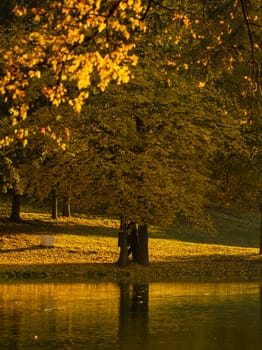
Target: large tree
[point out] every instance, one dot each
(146, 148)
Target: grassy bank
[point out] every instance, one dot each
(86, 249)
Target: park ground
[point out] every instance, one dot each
(85, 249)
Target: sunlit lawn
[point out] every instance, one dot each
(93, 239)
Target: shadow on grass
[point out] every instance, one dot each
(17, 250)
(55, 227)
(238, 239)
(233, 229)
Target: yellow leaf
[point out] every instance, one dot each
(19, 11)
(243, 122)
(201, 84)
(186, 21)
(101, 27)
(37, 18)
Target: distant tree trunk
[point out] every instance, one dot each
(54, 204)
(66, 208)
(122, 243)
(15, 210)
(260, 238)
(142, 247)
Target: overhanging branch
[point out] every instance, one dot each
(255, 66)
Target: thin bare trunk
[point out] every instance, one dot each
(260, 238)
(54, 204)
(66, 209)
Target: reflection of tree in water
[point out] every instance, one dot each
(133, 315)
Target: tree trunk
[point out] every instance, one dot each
(66, 208)
(142, 247)
(122, 243)
(260, 238)
(54, 204)
(15, 210)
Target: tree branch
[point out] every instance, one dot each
(255, 67)
(150, 2)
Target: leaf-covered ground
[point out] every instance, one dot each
(86, 248)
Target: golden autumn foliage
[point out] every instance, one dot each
(72, 44)
(149, 142)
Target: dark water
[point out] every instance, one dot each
(111, 316)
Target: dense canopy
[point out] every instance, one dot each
(147, 109)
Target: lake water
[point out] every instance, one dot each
(166, 316)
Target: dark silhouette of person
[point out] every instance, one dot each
(132, 239)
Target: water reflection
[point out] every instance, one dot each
(58, 316)
(133, 316)
(110, 316)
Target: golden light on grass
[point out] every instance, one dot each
(90, 246)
